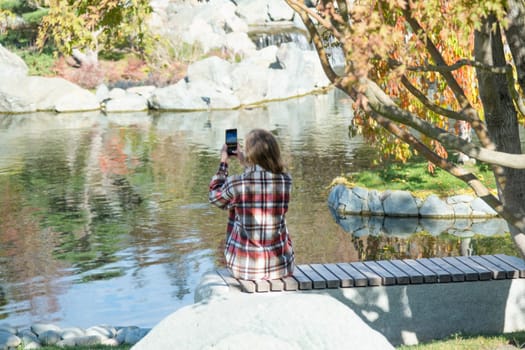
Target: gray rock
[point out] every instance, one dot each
(214, 70)
(462, 209)
(334, 197)
(253, 12)
(375, 205)
(88, 340)
(462, 198)
(279, 11)
(102, 93)
(39, 328)
(11, 66)
(399, 203)
(31, 94)
(49, 337)
(72, 332)
(312, 321)
(69, 342)
(9, 340)
(145, 90)
(117, 93)
(480, 208)
(103, 331)
(27, 336)
(433, 207)
(127, 103)
(131, 335)
(32, 345)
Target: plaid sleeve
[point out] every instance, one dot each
(219, 193)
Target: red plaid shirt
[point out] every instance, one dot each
(258, 245)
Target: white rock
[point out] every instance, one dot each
(277, 320)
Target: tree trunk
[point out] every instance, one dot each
(502, 124)
(515, 34)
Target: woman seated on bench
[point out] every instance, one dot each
(258, 245)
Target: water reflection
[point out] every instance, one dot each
(358, 225)
(105, 219)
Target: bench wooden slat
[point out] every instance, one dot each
(497, 272)
(345, 280)
(482, 273)
(331, 280)
(262, 286)
(510, 270)
(386, 272)
(414, 276)
(248, 286)
(400, 276)
(373, 278)
(387, 278)
(228, 278)
(318, 281)
(276, 285)
(429, 276)
(304, 282)
(514, 262)
(457, 274)
(360, 280)
(290, 283)
(443, 276)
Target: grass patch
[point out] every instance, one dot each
(414, 177)
(475, 342)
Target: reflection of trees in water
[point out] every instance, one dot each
(424, 245)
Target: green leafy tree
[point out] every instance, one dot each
(424, 73)
(88, 27)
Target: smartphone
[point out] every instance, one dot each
(231, 140)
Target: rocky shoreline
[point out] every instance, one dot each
(45, 334)
(253, 76)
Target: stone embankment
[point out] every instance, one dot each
(41, 334)
(363, 211)
(251, 75)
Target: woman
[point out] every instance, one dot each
(258, 245)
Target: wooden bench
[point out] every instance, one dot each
(388, 272)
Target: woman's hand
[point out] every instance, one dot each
(224, 154)
(238, 154)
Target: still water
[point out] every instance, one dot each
(105, 218)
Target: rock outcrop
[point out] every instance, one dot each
(271, 73)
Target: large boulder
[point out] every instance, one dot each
(33, 94)
(299, 321)
(11, 66)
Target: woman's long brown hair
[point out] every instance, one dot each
(262, 148)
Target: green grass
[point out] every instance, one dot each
(477, 342)
(414, 177)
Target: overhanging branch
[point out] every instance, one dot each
(379, 102)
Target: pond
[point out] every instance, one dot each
(105, 218)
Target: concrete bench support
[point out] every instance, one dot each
(415, 300)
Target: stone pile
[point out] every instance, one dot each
(43, 334)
